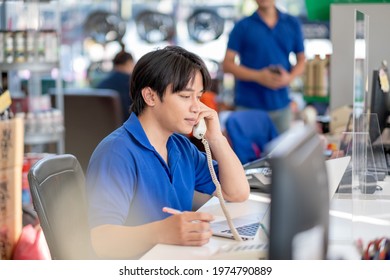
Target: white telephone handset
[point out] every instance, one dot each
(199, 131)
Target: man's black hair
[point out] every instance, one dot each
(158, 69)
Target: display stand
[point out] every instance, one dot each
(361, 205)
(365, 174)
(368, 164)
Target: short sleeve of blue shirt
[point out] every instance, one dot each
(128, 183)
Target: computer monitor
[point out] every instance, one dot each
(379, 106)
(299, 215)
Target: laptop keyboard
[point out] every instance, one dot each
(247, 230)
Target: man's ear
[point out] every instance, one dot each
(149, 96)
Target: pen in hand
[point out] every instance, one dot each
(174, 211)
(171, 210)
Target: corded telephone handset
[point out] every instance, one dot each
(199, 132)
(200, 129)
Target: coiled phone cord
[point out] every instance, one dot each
(236, 236)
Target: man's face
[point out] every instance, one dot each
(179, 111)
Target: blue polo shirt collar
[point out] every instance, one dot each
(134, 127)
(256, 16)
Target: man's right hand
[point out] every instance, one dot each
(187, 228)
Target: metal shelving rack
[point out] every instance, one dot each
(34, 27)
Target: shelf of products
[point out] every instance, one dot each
(29, 54)
(31, 66)
(316, 79)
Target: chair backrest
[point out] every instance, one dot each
(89, 115)
(57, 185)
(249, 131)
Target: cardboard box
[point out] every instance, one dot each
(10, 230)
(339, 118)
(11, 143)
(10, 209)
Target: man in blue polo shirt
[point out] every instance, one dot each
(263, 43)
(149, 163)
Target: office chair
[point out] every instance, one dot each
(57, 185)
(89, 116)
(248, 132)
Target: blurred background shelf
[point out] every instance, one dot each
(31, 66)
(42, 138)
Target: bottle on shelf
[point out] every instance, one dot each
(322, 77)
(309, 77)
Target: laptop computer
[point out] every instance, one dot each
(247, 225)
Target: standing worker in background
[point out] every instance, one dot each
(263, 42)
(119, 79)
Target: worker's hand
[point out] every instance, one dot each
(187, 228)
(274, 77)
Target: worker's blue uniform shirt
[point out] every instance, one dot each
(128, 182)
(260, 46)
(249, 132)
